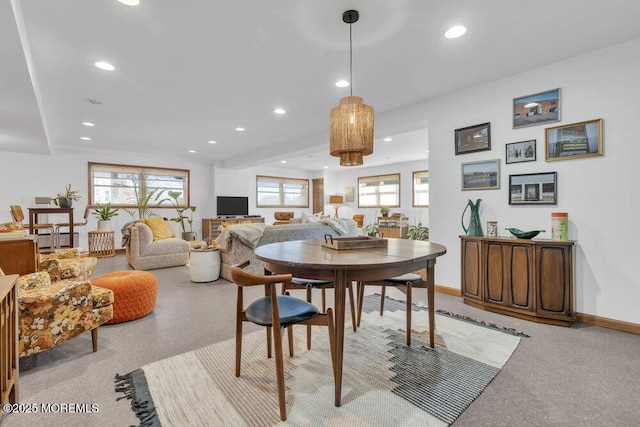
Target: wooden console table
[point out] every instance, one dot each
(33, 219)
(211, 226)
(528, 279)
(19, 256)
(9, 368)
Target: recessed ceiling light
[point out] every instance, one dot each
(279, 111)
(192, 151)
(455, 31)
(283, 161)
(342, 83)
(94, 101)
(104, 66)
(89, 124)
(212, 142)
(387, 139)
(240, 129)
(85, 138)
(326, 167)
(130, 2)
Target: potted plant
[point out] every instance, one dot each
(66, 198)
(144, 199)
(384, 210)
(104, 214)
(418, 232)
(370, 230)
(181, 218)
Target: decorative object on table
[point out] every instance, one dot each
(535, 109)
(384, 211)
(104, 213)
(533, 189)
(359, 242)
(574, 141)
(371, 229)
(519, 152)
(181, 218)
(524, 234)
(418, 232)
(481, 175)
(349, 194)
(492, 228)
(560, 226)
(351, 122)
(336, 201)
(474, 228)
(65, 199)
(473, 138)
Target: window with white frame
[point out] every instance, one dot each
(380, 190)
(279, 192)
(421, 189)
(124, 186)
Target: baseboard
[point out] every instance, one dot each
(618, 325)
(447, 290)
(121, 250)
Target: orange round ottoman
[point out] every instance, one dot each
(134, 293)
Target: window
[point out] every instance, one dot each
(126, 186)
(278, 192)
(421, 189)
(381, 190)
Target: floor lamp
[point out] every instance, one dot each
(336, 201)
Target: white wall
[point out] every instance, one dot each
(25, 176)
(336, 181)
(600, 194)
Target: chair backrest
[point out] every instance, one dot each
(16, 213)
(243, 278)
(359, 219)
(283, 216)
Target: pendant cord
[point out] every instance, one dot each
(350, 61)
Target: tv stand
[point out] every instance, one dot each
(211, 226)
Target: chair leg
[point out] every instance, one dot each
(332, 341)
(309, 289)
(360, 301)
(352, 306)
(94, 338)
(409, 302)
(382, 293)
(277, 338)
(290, 336)
(269, 342)
(324, 301)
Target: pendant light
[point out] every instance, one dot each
(351, 122)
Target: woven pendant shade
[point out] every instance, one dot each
(351, 131)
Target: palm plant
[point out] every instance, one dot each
(174, 196)
(144, 198)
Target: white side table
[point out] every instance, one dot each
(204, 265)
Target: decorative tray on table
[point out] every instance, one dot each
(359, 242)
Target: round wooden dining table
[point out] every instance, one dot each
(311, 259)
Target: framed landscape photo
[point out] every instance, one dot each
(473, 138)
(574, 141)
(535, 109)
(482, 175)
(518, 152)
(533, 189)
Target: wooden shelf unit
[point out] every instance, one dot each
(528, 279)
(19, 256)
(211, 226)
(393, 226)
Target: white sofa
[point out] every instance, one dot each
(143, 253)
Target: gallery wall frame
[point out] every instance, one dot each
(533, 189)
(537, 108)
(519, 152)
(473, 138)
(481, 175)
(574, 141)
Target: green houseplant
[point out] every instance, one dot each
(384, 210)
(65, 199)
(104, 214)
(182, 217)
(144, 198)
(370, 229)
(418, 232)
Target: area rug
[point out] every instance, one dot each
(385, 383)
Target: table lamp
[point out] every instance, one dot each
(336, 201)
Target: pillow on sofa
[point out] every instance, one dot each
(309, 219)
(158, 227)
(295, 221)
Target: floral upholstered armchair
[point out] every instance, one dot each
(67, 264)
(52, 312)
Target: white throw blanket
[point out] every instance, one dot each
(337, 224)
(249, 233)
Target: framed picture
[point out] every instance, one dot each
(348, 194)
(533, 189)
(482, 175)
(473, 138)
(523, 151)
(535, 109)
(574, 141)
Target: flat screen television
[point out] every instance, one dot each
(232, 206)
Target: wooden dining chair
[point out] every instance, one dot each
(18, 216)
(276, 312)
(309, 285)
(405, 283)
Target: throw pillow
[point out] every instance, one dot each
(295, 220)
(309, 219)
(158, 227)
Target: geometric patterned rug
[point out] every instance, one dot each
(385, 383)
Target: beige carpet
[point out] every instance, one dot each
(385, 383)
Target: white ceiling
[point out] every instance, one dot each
(191, 71)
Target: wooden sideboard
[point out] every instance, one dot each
(19, 256)
(211, 226)
(528, 279)
(9, 367)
